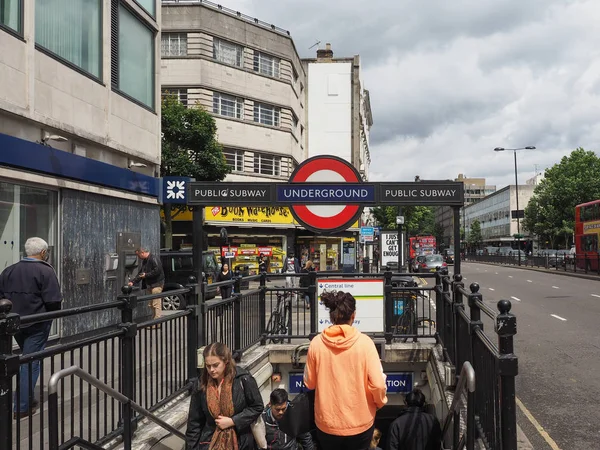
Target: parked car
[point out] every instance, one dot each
(449, 256)
(490, 250)
(178, 266)
(432, 262)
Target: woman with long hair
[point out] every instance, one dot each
(343, 367)
(225, 275)
(225, 404)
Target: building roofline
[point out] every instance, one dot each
(505, 188)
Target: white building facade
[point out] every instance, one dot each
(79, 135)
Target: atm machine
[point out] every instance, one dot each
(122, 265)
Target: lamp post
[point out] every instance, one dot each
(514, 150)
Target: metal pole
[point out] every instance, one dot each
(518, 219)
(456, 239)
(198, 241)
(400, 245)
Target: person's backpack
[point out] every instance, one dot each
(299, 417)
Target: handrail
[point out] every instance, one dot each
(75, 370)
(465, 380)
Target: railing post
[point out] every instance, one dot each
(506, 328)
(314, 303)
(449, 331)
(192, 328)
(457, 306)
(475, 316)
(237, 315)
(389, 307)
(202, 319)
(237, 284)
(262, 307)
(9, 367)
(439, 308)
(128, 362)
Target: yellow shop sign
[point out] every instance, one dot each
(249, 214)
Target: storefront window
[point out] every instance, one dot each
(243, 252)
(26, 212)
(323, 252)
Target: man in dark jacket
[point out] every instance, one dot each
(415, 429)
(32, 287)
(277, 439)
(152, 276)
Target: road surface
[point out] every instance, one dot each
(558, 345)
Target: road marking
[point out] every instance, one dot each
(529, 281)
(517, 299)
(595, 295)
(558, 317)
(491, 289)
(538, 427)
(496, 273)
(555, 287)
(510, 276)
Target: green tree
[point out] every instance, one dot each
(417, 219)
(550, 214)
(189, 149)
(475, 239)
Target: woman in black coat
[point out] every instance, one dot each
(224, 406)
(225, 275)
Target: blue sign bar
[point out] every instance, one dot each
(296, 383)
(326, 193)
(367, 231)
(399, 382)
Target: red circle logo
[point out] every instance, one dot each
(326, 218)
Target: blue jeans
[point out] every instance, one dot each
(30, 339)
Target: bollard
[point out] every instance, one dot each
(128, 362)
(506, 328)
(9, 367)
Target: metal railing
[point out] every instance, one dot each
(463, 338)
(464, 385)
(585, 264)
(53, 443)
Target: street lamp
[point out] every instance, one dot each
(514, 150)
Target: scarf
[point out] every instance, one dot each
(221, 405)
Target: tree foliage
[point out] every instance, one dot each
(189, 149)
(417, 219)
(475, 239)
(550, 214)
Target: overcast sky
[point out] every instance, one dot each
(451, 80)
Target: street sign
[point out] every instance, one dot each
(399, 220)
(174, 190)
(367, 231)
(443, 193)
(326, 193)
(230, 193)
(399, 382)
(329, 218)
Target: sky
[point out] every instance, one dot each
(451, 80)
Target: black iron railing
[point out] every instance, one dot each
(582, 263)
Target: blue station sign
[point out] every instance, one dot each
(296, 383)
(329, 194)
(399, 382)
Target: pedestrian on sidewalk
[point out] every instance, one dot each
(415, 429)
(224, 404)
(277, 439)
(152, 276)
(343, 367)
(291, 266)
(225, 275)
(305, 280)
(33, 288)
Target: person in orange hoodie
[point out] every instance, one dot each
(343, 367)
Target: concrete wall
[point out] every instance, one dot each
(46, 94)
(330, 103)
(90, 224)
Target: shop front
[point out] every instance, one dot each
(328, 253)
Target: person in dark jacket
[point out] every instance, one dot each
(415, 429)
(305, 280)
(277, 439)
(225, 275)
(224, 406)
(32, 287)
(152, 276)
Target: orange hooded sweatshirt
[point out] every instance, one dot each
(344, 367)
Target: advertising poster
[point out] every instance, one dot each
(389, 247)
(369, 302)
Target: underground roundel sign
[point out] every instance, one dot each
(326, 218)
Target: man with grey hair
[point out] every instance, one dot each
(152, 277)
(32, 287)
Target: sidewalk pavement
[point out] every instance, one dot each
(585, 276)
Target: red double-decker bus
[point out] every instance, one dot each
(422, 245)
(587, 231)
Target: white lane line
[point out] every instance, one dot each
(517, 299)
(595, 295)
(529, 281)
(491, 289)
(558, 317)
(510, 276)
(496, 273)
(555, 287)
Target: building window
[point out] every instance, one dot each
(148, 5)
(294, 75)
(235, 159)
(267, 164)
(132, 45)
(71, 29)
(294, 122)
(11, 13)
(266, 114)
(266, 64)
(227, 105)
(173, 44)
(180, 94)
(227, 52)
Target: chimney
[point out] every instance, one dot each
(327, 53)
